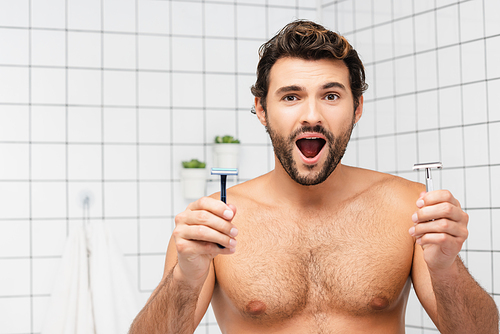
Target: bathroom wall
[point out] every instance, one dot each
(105, 98)
(434, 78)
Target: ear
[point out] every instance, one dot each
(259, 111)
(359, 110)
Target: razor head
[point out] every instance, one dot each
(427, 165)
(224, 171)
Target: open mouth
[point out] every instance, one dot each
(310, 147)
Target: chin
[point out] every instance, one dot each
(313, 174)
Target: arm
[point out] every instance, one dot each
(179, 312)
(452, 298)
(181, 299)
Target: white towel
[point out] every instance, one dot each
(115, 301)
(92, 292)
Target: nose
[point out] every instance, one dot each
(311, 114)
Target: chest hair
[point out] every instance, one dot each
(353, 261)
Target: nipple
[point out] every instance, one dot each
(255, 307)
(379, 303)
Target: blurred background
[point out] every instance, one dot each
(104, 99)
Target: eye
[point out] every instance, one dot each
(289, 98)
(331, 97)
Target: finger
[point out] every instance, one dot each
(187, 247)
(444, 240)
(185, 234)
(214, 206)
(204, 233)
(207, 219)
(439, 226)
(437, 211)
(435, 197)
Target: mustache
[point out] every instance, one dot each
(307, 128)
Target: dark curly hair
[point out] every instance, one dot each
(310, 41)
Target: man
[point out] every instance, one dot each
(322, 247)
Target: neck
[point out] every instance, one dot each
(286, 190)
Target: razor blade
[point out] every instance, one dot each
(428, 176)
(224, 171)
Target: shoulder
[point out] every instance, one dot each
(395, 191)
(386, 182)
(391, 201)
(245, 192)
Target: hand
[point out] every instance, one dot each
(440, 227)
(204, 224)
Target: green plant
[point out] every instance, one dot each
(226, 140)
(194, 163)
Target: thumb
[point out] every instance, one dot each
(232, 207)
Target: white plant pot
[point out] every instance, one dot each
(193, 182)
(226, 155)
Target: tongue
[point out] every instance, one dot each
(310, 147)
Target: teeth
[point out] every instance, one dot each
(312, 138)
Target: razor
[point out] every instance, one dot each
(223, 172)
(428, 177)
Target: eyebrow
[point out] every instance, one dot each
(291, 88)
(333, 84)
(295, 88)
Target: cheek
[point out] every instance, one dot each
(340, 121)
(281, 124)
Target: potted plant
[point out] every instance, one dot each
(193, 178)
(226, 150)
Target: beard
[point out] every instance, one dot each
(283, 148)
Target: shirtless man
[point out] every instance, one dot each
(322, 247)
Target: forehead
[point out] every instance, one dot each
(309, 74)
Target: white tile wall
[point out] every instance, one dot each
(105, 98)
(385, 116)
(250, 23)
(473, 61)
(426, 70)
(279, 16)
(14, 14)
(186, 18)
(449, 71)
(474, 98)
(151, 16)
(84, 15)
(425, 30)
(119, 51)
(428, 110)
(406, 113)
(84, 49)
(448, 29)
(404, 81)
(15, 239)
(219, 20)
(492, 49)
(153, 52)
(450, 107)
(119, 88)
(48, 48)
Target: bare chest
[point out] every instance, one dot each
(356, 264)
